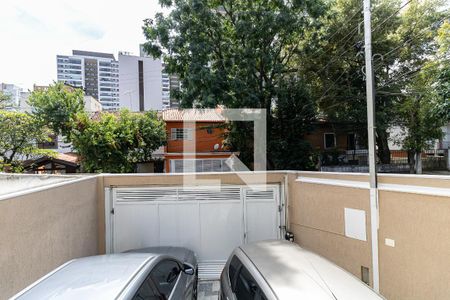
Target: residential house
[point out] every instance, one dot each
(195, 141)
(341, 136)
(62, 163)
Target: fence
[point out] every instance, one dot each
(357, 161)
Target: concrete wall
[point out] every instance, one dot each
(414, 214)
(317, 221)
(43, 229)
(418, 267)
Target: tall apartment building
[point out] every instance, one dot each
(97, 73)
(141, 83)
(170, 83)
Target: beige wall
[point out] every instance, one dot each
(418, 267)
(317, 220)
(41, 230)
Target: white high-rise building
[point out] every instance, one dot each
(97, 73)
(140, 83)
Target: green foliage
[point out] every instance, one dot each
(57, 106)
(233, 53)
(403, 42)
(19, 135)
(4, 100)
(425, 106)
(116, 142)
(292, 119)
(440, 70)
(229, 52)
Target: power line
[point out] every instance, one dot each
(359, 10)
(395, 13)
(339, 56)
(332, 84)
(414, 73)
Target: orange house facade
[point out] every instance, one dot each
(195, 141)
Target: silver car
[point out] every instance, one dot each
(282, 270)
(159, 273)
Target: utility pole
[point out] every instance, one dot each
(371, 139)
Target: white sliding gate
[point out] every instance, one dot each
(210, 220)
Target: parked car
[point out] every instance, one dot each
(158, 273)
(282, 270)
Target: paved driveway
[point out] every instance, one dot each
(208, 290)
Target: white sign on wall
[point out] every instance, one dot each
(355, 224)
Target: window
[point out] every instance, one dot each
(199, 165)
(234, 267)
(329, 140)
(164, 276)
(351, 141)
(147, 291)
(243, 284)
(181, 133)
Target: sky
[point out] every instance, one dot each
(33, 32)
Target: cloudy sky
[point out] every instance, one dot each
(33, 32)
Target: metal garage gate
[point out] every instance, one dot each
(210, 220)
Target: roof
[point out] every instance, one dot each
(93, 54)
(193, 114)
(295, 273)
(95, 277)
(69, 159)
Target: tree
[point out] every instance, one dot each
(293, 116)
(115, 142)
(440, 68)
(334, 65)
(4, 100)
(232, 53)
(57, 106)
(425, 106)
(334, 62)
(19, 135)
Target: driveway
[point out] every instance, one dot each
(208, 290)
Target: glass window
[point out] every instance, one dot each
(351, 141)
(234, 267)
(181, 134)
(165, 275)
(147, 291)
(329, 140)
(246, 287)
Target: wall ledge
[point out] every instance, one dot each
(401, 188)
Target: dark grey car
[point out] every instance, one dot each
(160, 273)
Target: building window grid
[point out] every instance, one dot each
(199, 165)
(181, 134)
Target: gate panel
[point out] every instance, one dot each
(261, 214)
(211, 221)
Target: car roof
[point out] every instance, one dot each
(295, 273)
(94, 277)
(184, 255)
